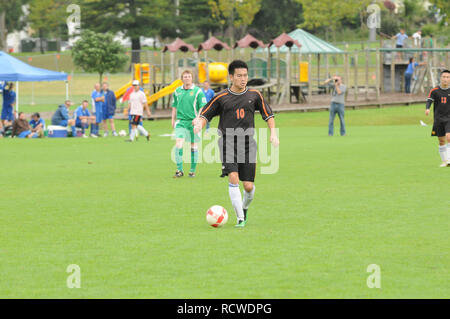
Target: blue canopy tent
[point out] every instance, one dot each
(14, 70)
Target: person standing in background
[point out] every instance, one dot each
(417, 37)
(400, 42)
(98, 99)
(188, 100)
(9, 101)
(337, 104)
(209, 94)
(409, 73)
(109, 108)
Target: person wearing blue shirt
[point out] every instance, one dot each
(21, 128)
(98, 99)
(9, 100)
(409, 73)
(83, 118)
(109, 108)
(61, 117)
(401, 37)
(37, 124)
(209, 94)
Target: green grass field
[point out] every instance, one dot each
(336, 205)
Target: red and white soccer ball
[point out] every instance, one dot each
(217, 216)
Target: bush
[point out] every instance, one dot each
(429, 29)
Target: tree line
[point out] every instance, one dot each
(229, 19)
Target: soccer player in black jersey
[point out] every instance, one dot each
(440, 96)
(236, 108)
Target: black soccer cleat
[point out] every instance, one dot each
(148, 138)
(191, 174)
(178, 174)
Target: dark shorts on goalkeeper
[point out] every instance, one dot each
(440, 128)
(135, 119)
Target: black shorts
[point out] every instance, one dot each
(246, 171)
(440, 128)
(135, 119)
(241, 160)
(399, 46)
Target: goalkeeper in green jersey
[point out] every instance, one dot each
(188, 99)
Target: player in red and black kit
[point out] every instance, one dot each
(440, 96)
(236, 107)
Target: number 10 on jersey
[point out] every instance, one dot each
(240, 113)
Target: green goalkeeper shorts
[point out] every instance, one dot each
(185, 129)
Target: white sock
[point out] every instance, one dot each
(248, 197)
(133, 134)
(236, 200)
(142, 130)
(448, 152)
(443, 152)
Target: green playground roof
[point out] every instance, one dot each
(310, 44)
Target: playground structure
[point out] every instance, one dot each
(215, 72)
(141, 72)
(289, 69)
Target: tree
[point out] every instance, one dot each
(11, 14)
(444, 6)
(390, 23)
(195, 16)
(414, 14)
(135, 18)
(99, 53)
(45, 18)
(330, 13)
(235, 13)
(283, 16)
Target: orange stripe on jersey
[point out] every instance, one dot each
(203, 112)
(429, 95)
(262, 100)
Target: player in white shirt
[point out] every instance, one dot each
(137, 103)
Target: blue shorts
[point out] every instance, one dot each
(26, 133)
(80, 125)
(7, 115)
(63, 123)
(106, 115)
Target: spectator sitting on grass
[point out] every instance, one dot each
(37, 124)
(61, 117)
(22, 129)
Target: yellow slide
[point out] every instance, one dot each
(150, 98)
(122, 90)
(163, 92)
